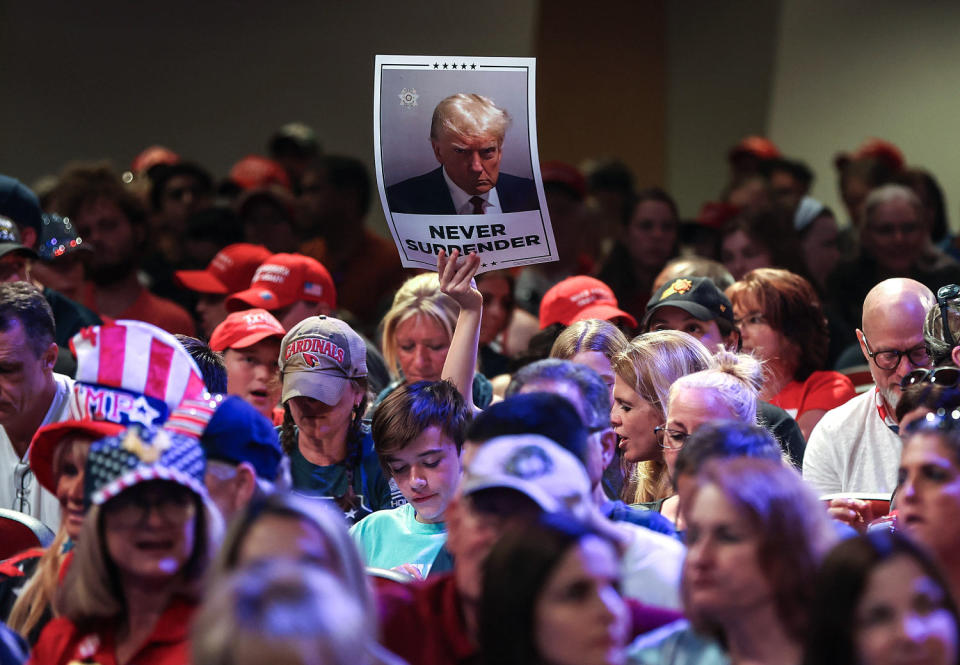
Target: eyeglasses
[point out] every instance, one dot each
(670, 439)
(944, 295)
(890, 360)
(940, 376)
(23, 480)
(174, 504)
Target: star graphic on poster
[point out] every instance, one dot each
(463, 66)
(473, 66)
(436, 66)
(483, 265)
(143, 413)
(444, 65)
(493, 263)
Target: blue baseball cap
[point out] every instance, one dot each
(237, 433)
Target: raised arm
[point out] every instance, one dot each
(457, 282)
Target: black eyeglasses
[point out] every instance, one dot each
(670, 439)
(941, 376)
(944, 295)
(890, 359)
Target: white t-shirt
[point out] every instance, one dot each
(852, 449)
(15, 472)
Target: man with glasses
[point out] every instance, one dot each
(856, 447)
(31, 395)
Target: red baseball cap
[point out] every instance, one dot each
(255, 171)
(579, 298)
(284, 279)
(230, 270)
(245, 328)
(45, 442)
(758, 146)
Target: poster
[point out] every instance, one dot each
(456, 158)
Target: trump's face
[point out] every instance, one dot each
(473, 163)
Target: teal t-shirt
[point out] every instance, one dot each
(391, 538)
(372, 491)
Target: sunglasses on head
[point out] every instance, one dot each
(940, 376)
(944, 295)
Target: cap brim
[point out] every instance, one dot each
(528, 489)
(201, 281)
(695, 310)
(10, 247)
(258, 297)
(606, 313)
(249, 340)
(45, 442)
(327, 388)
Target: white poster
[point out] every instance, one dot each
(456, 154)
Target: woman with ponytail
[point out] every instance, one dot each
(324, 374)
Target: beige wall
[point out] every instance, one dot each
(847, 71)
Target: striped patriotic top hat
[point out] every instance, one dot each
(131, 372)
(138, 455)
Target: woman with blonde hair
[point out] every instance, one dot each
(591, 342)
(416, 336)
(645, 370)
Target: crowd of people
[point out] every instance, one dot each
(237, 431)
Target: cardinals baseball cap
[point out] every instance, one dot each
(245, 328)
(284, 279)
(579, 298)
(231, 270)
(697, 296)
(535, 466)
(318, 357)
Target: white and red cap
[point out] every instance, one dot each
(318, 357)
(231, 270)
(284, 279)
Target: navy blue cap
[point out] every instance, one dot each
(237, 433)
(19, 203)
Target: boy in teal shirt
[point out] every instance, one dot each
(417, 433)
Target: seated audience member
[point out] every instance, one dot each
(292, 146)
(244, 458)
(879, 598)
(782, 324)
(112, 220)
(20, 206)
(856, 447)
(527, 611)
(694, 266)
(645, 370)
(418, 434)
(250, 343)
(755, 535)
(268, 217)
(817, 231)
(498, 313)
(893, 238)
(759, 240)
(650, 234)
(943, 341)
(286, 613)
(579, 298)
(230, 271)
(293, 287)
(750, 194)
(33, 396)
(61, 254)
(595, 343)
(726, 391)
(718, 440)
(144, 549)
(208, 361)
(509, 482)
(324, 376)
(927, 391)
(926, 506)
(697, 306)
(790, 181)
(335, 199)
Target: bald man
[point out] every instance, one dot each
(856, 447)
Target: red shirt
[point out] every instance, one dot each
(61, 643)
(422, 623)
(153, 309)
(821, 390)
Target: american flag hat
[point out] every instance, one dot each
(131, 372)
(138, 455)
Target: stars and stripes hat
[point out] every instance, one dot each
(318, 357)
(127, 372)
(284, 279)
(138, 455)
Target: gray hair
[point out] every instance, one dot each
(887, 194)
(595, 393)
